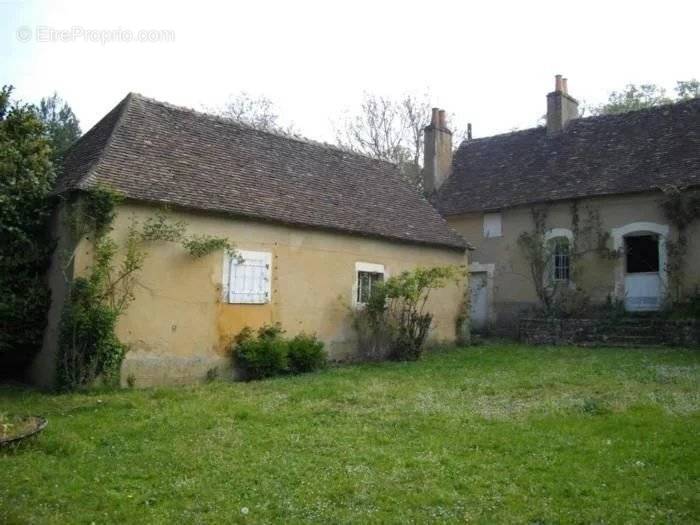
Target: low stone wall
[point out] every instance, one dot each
(611, 332)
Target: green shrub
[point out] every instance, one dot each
(267, 353)
(262, 354)
(394, 322)
(305, 354)
(259, 358)
(88, 346)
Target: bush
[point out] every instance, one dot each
(569, 303)
(305, 354)
(374, 335)
(267, 353)
(88, 346)
(260, 357)
(394, 322)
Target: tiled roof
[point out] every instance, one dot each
(155, 152)
(612, 154)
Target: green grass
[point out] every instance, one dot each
(486, 434)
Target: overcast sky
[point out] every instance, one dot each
(488, 62)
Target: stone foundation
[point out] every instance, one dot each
(609, 332)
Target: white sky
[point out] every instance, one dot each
(488, 62)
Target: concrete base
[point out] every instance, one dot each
(142, 369)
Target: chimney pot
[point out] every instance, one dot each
(442, 119)
(561, 107)
(435, 117)
(469, 131)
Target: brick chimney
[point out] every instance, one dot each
(561, 107)
(437, 152)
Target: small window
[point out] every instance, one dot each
(493, 225)
(561, 259)
(247, 278)
(368, 276)
(366, 282)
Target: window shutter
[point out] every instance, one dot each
(249, 280)
(493, 226)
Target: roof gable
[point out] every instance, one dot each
(156, 152)
(611, 154)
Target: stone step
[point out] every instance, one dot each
(642, 340)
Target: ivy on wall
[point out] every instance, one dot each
(588, 239)
(680, 206)
(88, 347)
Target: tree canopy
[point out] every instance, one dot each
(634, 97)
(389, 129)
(26, 178)
(255, 110)
(61, 125)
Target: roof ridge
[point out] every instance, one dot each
(83, 182)
(589, 118)
(276, 133)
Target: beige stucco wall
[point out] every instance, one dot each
(178, 327)
(513, 290)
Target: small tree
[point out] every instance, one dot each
(394, 321)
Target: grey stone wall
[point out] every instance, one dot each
(611, 332)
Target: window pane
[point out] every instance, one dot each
(561, 259)
(366, 281)
(642, 253)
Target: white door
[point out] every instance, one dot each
(479, 300)
(643, 288)
(642, 292)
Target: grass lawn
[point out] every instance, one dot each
(500, 433)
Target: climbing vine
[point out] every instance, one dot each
(535, 251)
(88, 347)
(588, 238)
(681, 207)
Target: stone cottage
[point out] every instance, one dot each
(591, 187)
(315, 225)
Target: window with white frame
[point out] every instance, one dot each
(247, 277)
(561, 259)
(367, 277)
(493, 226)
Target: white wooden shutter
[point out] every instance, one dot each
(249, 278)
(492, 225)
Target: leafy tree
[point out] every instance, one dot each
(26, 178)
(635, 97)
(687, 89)
(61, 124)
(395, 323)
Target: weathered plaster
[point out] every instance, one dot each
(178, 326)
